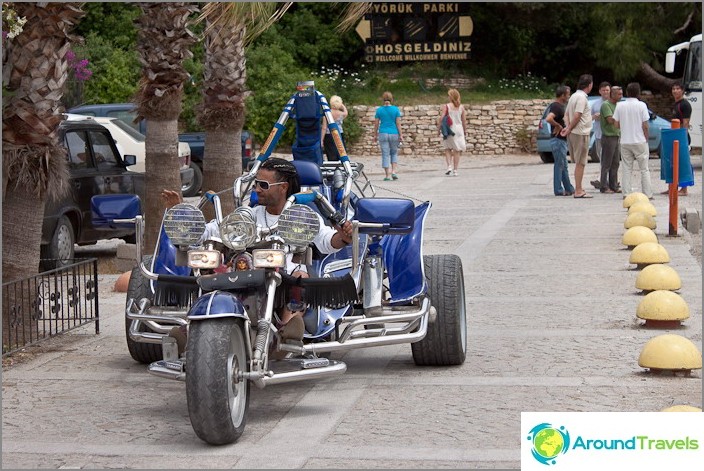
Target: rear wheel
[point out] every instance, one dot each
(446, 341)
(546, 157)
(137, 289)
(217, 394)
(193, 188)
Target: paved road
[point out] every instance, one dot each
(551, 301)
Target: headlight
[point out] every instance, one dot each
(238, 230)
(203, 259)
(299, 225)
(269, 258)
(184, 224)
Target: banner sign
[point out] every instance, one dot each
(409, 32)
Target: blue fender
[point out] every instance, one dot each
(403, 259)
(320, 321)
(217, 304)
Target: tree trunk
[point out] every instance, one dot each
(22, 218)
(161, 172)
(163, 45)
(655, 80)
(222, 164)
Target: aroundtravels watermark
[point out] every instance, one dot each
(576, 440)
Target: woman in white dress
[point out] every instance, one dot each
(454, 145)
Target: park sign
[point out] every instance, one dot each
(410, 32)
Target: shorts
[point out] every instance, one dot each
(579, 148)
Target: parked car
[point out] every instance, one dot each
(196, 140)
(130, 141)
(96, 167)
(655, 126)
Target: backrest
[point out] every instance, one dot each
(307, 112)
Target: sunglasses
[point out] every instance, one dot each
(264, 185)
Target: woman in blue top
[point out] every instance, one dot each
(387, 130)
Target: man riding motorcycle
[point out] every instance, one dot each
(276, 180)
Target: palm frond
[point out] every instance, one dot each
(255, 17)
(353, 12)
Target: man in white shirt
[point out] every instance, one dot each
(578, 117)
(631, 117)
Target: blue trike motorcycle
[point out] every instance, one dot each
(226, 290)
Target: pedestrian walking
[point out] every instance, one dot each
(631, 117)
(455, 142)
(610, 152)
(578, 118)
(387, 132)
(558, 143)
(339, 113)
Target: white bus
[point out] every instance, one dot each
(692, 81)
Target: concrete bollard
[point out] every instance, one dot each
(670, 352)
(663, 309)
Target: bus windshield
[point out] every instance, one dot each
(693, 67)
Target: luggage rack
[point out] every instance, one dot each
(328, 169)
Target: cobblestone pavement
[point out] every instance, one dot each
(551, 303)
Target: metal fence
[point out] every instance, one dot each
(47, 304)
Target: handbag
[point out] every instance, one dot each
(447, 116)
(446, 125)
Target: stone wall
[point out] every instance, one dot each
(501, 127)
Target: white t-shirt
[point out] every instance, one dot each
(631, 114)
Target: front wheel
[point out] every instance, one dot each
(446, 341)
(218, 396)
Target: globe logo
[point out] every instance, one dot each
(548, 442)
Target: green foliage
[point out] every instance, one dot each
(631, 33)
(112, 21)
(115, 71)
(272, 82)
(307, 32)
(192, 92)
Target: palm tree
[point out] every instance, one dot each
(229, 28)
(163, 44)
(34, 161)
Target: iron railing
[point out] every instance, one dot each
(49, 303)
